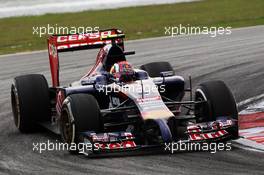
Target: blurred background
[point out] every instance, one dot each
(138, 18)
(38, 7)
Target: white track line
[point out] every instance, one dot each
(248, 145)
(247, 101)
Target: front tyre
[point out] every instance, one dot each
(30, 101)
(219, 102)
(80, 113)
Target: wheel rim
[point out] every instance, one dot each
(67, 128)
(15, 106)
(200, 109)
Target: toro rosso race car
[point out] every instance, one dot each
(116, 107)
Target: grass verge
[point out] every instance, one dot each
(137, 22)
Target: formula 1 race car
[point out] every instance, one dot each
(115, 107)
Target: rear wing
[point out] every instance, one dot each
(74, 42)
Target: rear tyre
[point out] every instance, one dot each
(80, 113)
(173, 90)
(30, 101)
(155, 68)
(220, 103)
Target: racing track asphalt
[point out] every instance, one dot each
(238, 59)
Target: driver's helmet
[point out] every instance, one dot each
(122, 71)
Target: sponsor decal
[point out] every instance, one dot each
(60, 99)
(80, 37)
(114, 146)
(52, 50)
(77, 40)
(206, 136)
(101, 141)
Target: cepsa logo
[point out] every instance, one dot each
(80, 37)
(77, 40)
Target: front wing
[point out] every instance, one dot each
(113, 142)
